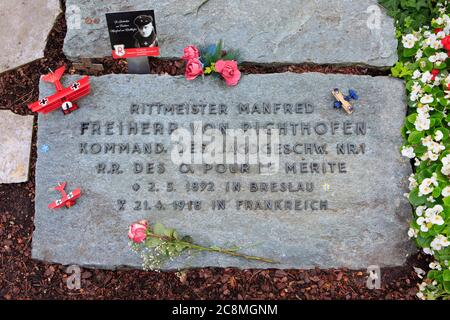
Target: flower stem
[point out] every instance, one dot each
(231, 253)
(197, 247)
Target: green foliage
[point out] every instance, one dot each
(409, 14)
(400, 70)
(423, 64)
(209, 55)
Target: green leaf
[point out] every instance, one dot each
(423, 242)
(447, 201)
(152, 242)
(442, 66)
(415, 137)
(218, 52)
(415, 199)
(421, 149)
(446, 275)
(447, 286)
(407, 53)
(433, 274)
(187, 239)
(443, 102)
(412, 117)
(169, 232)
(400, 71)
(428, 51)
(180, 247)
(159, 229)
(231, 55)
(436, 192)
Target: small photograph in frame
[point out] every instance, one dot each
(133, 34)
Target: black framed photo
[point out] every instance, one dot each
(133, 34)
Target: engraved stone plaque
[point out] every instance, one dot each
(333, 196)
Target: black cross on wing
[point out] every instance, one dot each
(43, 102)
(75, 86)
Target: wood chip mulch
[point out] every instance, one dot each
(24, 278)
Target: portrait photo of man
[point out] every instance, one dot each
(146, 34)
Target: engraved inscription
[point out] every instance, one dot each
(306, 152)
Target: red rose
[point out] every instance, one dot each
(229, 71)
(194, 68)
(138, 231)
(437, 30)
(190, 52)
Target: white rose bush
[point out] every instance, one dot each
(424, 65)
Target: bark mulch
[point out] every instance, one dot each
(24, 278)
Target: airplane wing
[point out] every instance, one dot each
(46, 105)
(72, 196)
(56, 204)
(52, 77)
(75, 91)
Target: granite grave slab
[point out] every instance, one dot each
(301, 31)
(336, 200)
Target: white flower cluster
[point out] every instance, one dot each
(438, 58)
(422, 122)
(446, 192)
(426, 68)
(412, 182)
(408, 152)
(435, 265)
(446, 165)
(409, 41)
(433, 40)
(425, 38)
(427, 185)
(413, 233)
(427, 217)
(434, 148)
(439, 242)
(423, 288)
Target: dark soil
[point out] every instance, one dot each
(24, 278)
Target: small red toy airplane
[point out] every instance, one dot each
(68, 199)
(64, 98)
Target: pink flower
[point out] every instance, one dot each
(137, 231)
(194, 68)
(190, 52)
(229, 71)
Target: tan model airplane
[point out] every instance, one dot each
(340, 97)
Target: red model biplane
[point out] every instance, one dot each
(64, 98)
(67, 199)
